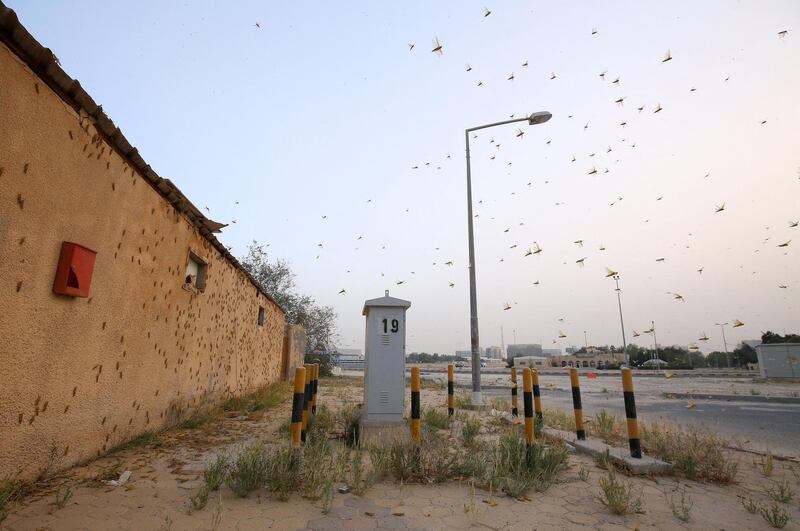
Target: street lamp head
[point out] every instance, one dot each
(539, 117)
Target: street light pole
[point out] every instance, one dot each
(622, 323)
(725, 342)
(533, 119)
(655, 344)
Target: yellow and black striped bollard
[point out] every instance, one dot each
(450, 390)
(297, 405)
(314, 386)
(306, 401)
(514, 410)
(415, 428)
(537, 400)
(576, 403)
(527, 404)
(630, 413)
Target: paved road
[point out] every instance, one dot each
(774, 427)
(760, 425)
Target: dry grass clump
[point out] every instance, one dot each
(696, 453)
(775, 515)
(436, 418)
(264, 398)
(347, 423)
(10, 491)
(363, 473)
(765, 465)
(470, 428)
(429, 462)
(462, 400)
(681, 506)
(323, 422)
(511, 466)
(148, 439)
(248, 469)
(560, 420)
(501, 404)
(215, 473)
(618, 495)
(611, 429)
(62, 496)
(780, 492)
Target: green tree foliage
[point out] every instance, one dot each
(717, 359)
(772, 337)
(744, 354)
(277, 279)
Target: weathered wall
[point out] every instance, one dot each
(295, 350)
(82, 375)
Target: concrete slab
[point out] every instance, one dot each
(383, 433)
(645, 465)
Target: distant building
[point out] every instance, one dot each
(551, 352)
(779, 360)
(514, 351)
(570, 350)
(464, 353)
(350, 359)
(591, 358)
(495, 353)
(531, 361)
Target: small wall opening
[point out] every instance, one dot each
(196, 270)
(262, 315)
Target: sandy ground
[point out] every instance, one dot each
(157, 495)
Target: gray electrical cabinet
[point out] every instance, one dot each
(385, 360)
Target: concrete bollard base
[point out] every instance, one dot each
(382, 433)
(619, 456)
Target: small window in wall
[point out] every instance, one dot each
(262, 315)
(196, 269)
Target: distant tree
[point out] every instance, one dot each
(771, 337)
(698, 360)
(717, 359)
(744, 354)
(277, 279)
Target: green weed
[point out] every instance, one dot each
(618, 495)
(248, 470)
(775, 515)
(148, 439)
(347, 422)
(63, 495)
(780, 492)
(215, 473)
(200, 498)
(470, 429)
(752, 506)
(681, 507)
(436, 418)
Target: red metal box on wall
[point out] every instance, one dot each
(74, 273)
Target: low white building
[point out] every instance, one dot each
(531, 362)
(779, 360)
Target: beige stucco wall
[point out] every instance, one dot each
(295, 350)
(79, 376)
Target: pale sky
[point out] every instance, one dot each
(324, 111)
